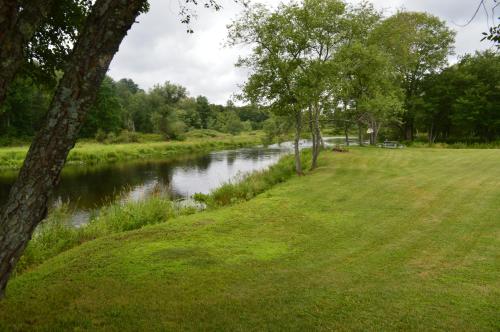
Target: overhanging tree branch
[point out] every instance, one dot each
(26, 206)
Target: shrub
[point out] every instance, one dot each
(56, 234)
(127, 137)
(100, 136)
(251, 185)
(111, 138)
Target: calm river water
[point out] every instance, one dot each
(86, 189)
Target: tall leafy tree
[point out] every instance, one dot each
(24, 108)
(106, 113)
(203, 109)
(292, 46)
(370, 94)
(275, 62)
(125, 88)
(418, 45)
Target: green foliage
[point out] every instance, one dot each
(121, 106)
(53, 236)
(253, 115)
(106, 113)
(461, 103)
(48, 50)
(228, 122)
(277, 128)
(23, 109)
(100, 136)
(417, 44)
(203, 110)
(166, 122)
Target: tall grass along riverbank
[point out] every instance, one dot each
(56, 234)
(92, 153)
(374, 239)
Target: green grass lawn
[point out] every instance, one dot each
(374, 239)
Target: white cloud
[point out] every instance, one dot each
(158, 48)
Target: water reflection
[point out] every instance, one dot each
(88, 188)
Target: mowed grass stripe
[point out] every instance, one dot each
(373, 240)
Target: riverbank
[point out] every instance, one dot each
(93, 153)
(374, 239)
(57, 234)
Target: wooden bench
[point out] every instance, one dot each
(391, 145)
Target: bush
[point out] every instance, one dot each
(127, 137)
(56, 234)
(111, 138)
(204, 133)
(247, 125)
(100, 136)
(251, 185)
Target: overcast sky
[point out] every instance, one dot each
(158, 49)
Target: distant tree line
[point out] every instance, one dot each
(462, 102)
(166, 109)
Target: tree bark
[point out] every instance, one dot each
(26, 206)
(431, 135)
(296, 142)
(313, 136)
(346, 124)
(360, 135)
(317, 136)
(376, 130)
(17, 27)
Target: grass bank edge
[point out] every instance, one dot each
(90, 153)
(55, 235)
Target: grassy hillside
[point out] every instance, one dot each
(372, 240)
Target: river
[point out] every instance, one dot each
(86, 189)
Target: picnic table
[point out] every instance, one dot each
(391, 145)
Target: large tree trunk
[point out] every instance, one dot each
(346, 125)
(17, 27)
(313, 136)
(409, 131)
(26, 206)
(317, 136)
(296, 142)
(431, 135)
(376, 131)
(360, 135)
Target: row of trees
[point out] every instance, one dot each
(319, 61)
(122, 105)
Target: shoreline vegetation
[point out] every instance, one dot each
(55, 234)
(455, 145)
(91, 153)
(335, 259)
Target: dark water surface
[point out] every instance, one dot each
(85, 189)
